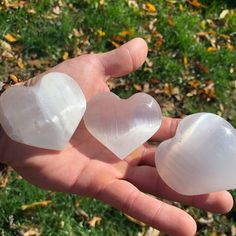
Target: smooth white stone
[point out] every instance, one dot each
(44, 115)
(201, 158)
(122, 125)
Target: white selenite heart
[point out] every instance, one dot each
(44, 115)
(122, 125)
(201, 157)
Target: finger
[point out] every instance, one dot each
(124, 59)
(146, 178)
(167, 129)
(144, 155)
(127, 198)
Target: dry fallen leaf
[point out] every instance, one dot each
(181, 7)
(5, 46)
(230, 47)
(13, 79)
(36, 204)
(96, 220)
(115, 44)
(10, 38)
(14, 4)
(38, 63)
(56, 10)
(211, 49)
(31, 11)
(185, 60)
(233, 230)
(138, 87)
(101, 33)
(20, 63)
(146, 88)
(33, 231)
(3, 181)
(223, 14)
(152, 232)
(194, 84)
(149, 7)
(65, 56)
(8, 55)
(195, 3)
(82, 213)
(134, 220)
(133, 4)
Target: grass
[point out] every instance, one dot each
(191, 68)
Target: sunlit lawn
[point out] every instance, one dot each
(191, 67)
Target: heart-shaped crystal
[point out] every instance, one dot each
(201, 158)
(122, 125)
(44, 115)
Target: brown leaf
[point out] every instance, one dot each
(201, 68)
(209, 90)
(195, 3)
(170, 90)
(230, 47)
(3, 181)
(146, 88)
(14, 4)
(138, 87)
(8, 55)
(96, 220)
(194, 84)
(117, 38)
(82, 213)
(38, 63)
(33, 231)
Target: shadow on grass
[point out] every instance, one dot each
(228, 3)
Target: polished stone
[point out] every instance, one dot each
(44, 115)
(122, 125)
(201, 157)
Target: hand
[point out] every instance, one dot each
(87, 168)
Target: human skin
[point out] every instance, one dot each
(85, 167)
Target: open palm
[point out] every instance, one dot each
(87, 168)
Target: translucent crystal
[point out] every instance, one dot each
(201, 158)
(44, 115)
(122, 125)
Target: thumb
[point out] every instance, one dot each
(125, 59)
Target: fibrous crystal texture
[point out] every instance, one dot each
(122, 125)
(201, 157)
(45, 115)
